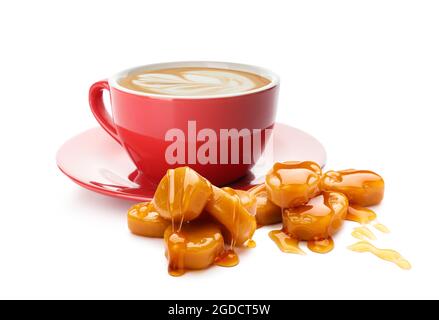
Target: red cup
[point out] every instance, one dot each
(146, 125)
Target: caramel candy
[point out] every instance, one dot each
(182, 194)
(248, 200)
(195, 246)
(319, 219)
(293, 183)
(229, 211)
(144, 220)
(266, 211)
(362, 187)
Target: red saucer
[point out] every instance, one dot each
(95, 161)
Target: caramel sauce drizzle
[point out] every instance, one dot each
(250, 243)
(178, 248)
(286, 239)
(363, 232)
(228, 258)
(285, 242)
(176, 252)
(321, 246)
(385, 254)
(381, 227)
(360, 214)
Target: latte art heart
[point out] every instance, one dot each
(194, 81)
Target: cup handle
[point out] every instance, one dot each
(95, 98)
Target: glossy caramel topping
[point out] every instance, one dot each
(228, 210)
(196, 219)
(362, 187)
(144, 220)
(175, 252)
(266, 211)
(290, 184)
(319, 219)
(285, 242)
(381, 227)
(195, 246)
(363, 233)
(385, 254)
(321, 246)
(247, 199)
(360, 214)
(181, 195)
(228, 258)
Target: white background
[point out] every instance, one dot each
(362, 76)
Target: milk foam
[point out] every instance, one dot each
(196, 82)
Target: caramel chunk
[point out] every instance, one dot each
(144, 220)
(266, 211)
(181, 194)
(229, 211)
(319, 219)
(293, 183)
(362, 187)
(248, 200)
(195, 246)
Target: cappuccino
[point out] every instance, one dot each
(193, 81)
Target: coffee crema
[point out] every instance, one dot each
(193, 81)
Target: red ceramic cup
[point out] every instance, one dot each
(145, 124)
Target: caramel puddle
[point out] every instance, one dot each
(385, 254)
(381, 227)
(285, 242)
(250, 243)
(321, 246)
(360, 214)
(361, 233)
(228, 258)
